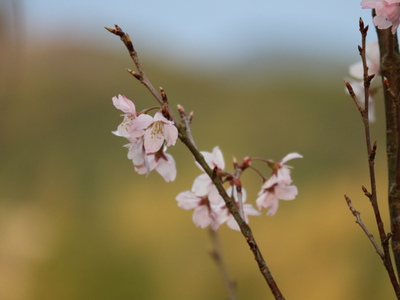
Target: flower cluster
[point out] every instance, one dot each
(356, 71)
(148, 139)
(209, 207)
(387, 13)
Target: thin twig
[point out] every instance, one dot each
(187, 120)
(217, 257)
(363, 227)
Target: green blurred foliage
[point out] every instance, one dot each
(78, 223)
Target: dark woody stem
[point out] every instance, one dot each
(187, 140)
(390, 71)
(371, 152)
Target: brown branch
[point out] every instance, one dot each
(183, 136)
(390, 71)
(371, 152)
(125, 38)
(363, 227)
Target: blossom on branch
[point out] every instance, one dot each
(387, 13)
(204, 214)
(147, 136)
(207, 214)
(204, 197)
(160, 161)
(155, 130)
(203, 185)
(128, 107)
(277, 187)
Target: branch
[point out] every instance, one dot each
(371, 152)
(390, 71)
(217, 257)
(187, 140)
(363, 227)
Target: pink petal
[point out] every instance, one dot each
(201, 185)
(167, 168)
(187, 200)
(152, 142)
(290, 156)
(201, 217)
(170, 134)
(124, 104)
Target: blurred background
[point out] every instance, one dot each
(264, 79)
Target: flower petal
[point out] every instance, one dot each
(290, 156)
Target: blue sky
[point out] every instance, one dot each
(207, 29)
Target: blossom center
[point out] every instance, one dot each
(157, 130)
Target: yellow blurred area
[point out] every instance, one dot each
(76, 221)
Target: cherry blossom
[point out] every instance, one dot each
(128, 107)
(155, 130)
(160, 161)
(203, 185)
(204, 213)
(277, 187)
(146, 155)
(213, 159)
(387, 13)
(164, 164)
(136, 152)
(272, 191)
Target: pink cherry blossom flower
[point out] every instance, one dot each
(387, 13)
(277, 187)
(213, 159)
(206, 214)
(283, 171)
(164, 164)
(146, 135)
(203, 185)
(124, 104)
(160, 161)
(136, 152)
(128, 108)
(203, 214)
(272, 191)
(155, 130)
